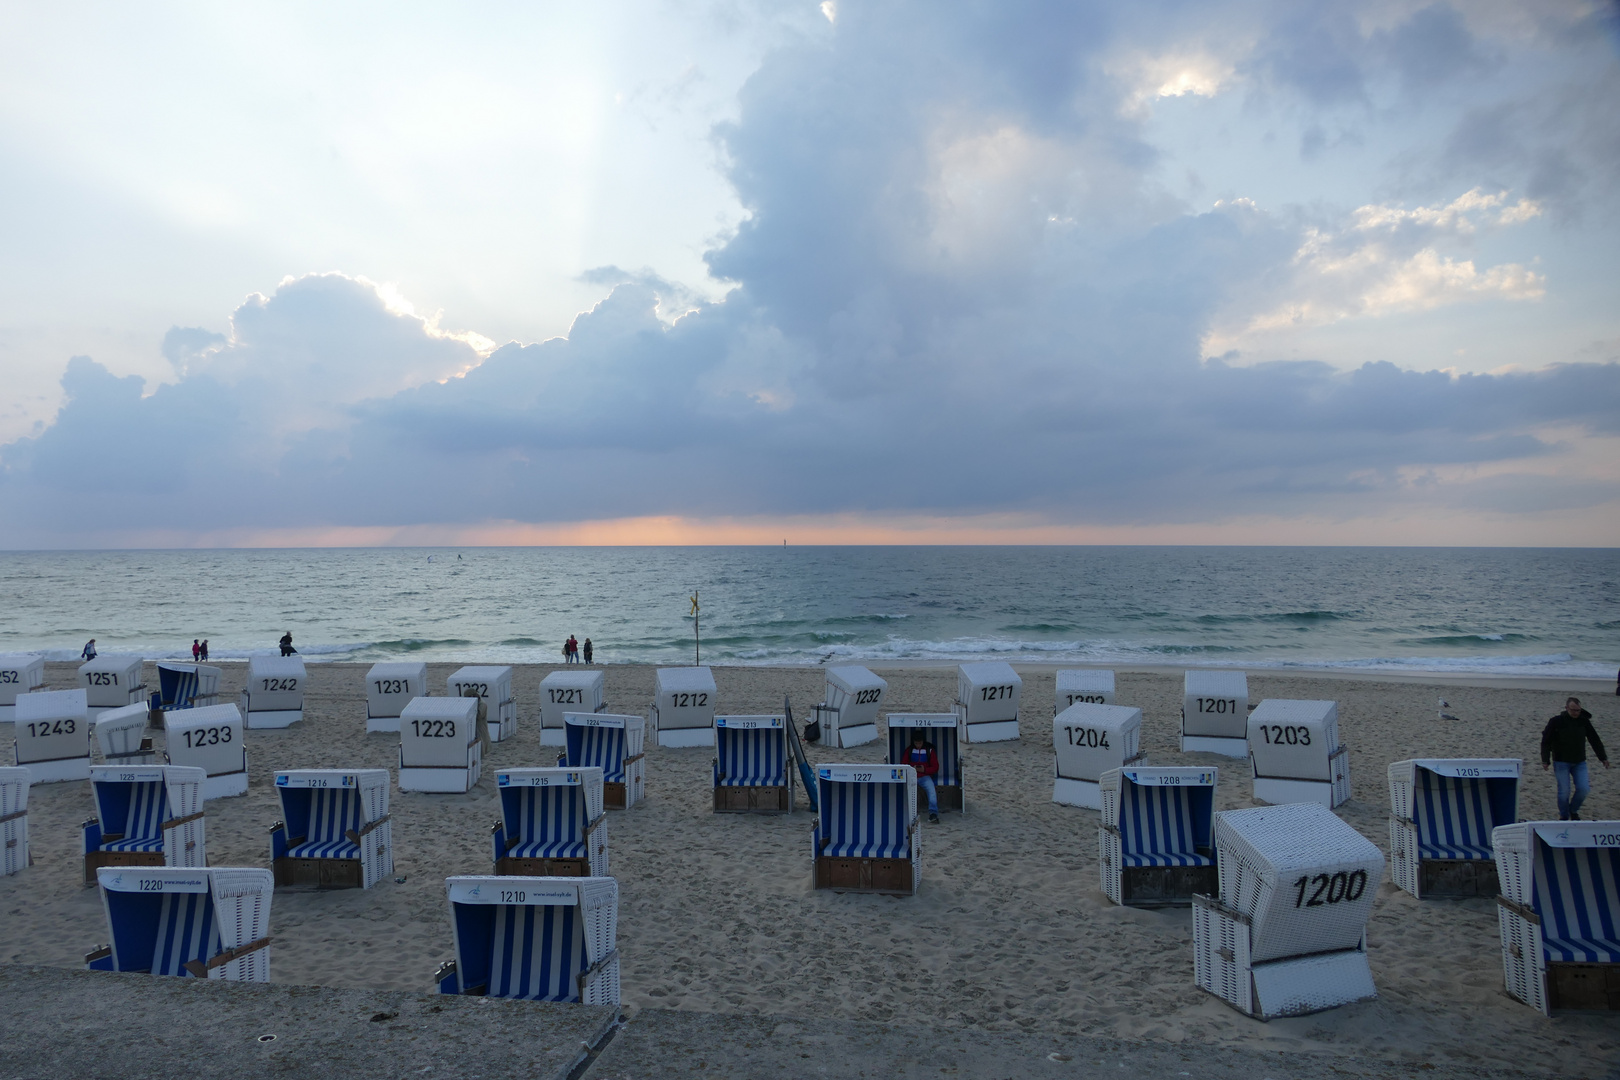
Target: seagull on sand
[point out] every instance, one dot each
(1444, 705)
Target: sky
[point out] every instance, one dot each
(717, 272)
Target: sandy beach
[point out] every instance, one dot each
(1009, 931)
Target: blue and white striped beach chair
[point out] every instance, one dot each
(1443, 811)
(753, 772)
(867, 838)
(14, 854)
(211, 923)
(1559, 912)
(945, 736)
(534, 938)
(187, 686)
(147, 815)
(613, 743)
(1156, 842)
(552, 823)
(335, 831)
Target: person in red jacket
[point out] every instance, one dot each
(921, 757)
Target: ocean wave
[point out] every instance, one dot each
(1466, 639)
(1310, 616)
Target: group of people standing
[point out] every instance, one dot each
(571, 650)
(199, 651)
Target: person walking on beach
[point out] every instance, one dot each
(205, 650)
(587, 650)
(921, 757)
(1563, 749)
(196, 651)
(89, 652)
(286, 644)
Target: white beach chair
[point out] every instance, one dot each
(335, 832)
(493, 686)
(187, 686)
(208, 923)
(274, 695)
(1215, 713)
(1156, 842)
(146, 815)
(753, 767)
(389, 688)
(111, 681)
(534, 938)
(439, 748)
(1559, 912)
(866, 837)
(683, 706)
(849, 710)
(987, 700)
(20, 673)
(1083, 686)
(121, 736)
(944, 734)
(561, 692)
(1442, 814)
(53, 736)
(211, 738)
(1296, 754)
(1288, 935)
(14, 854)
(615, 744)
(1088, 740)
(553, 823)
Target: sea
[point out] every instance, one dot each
(1507, 611)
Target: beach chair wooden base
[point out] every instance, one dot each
(382, 725)
(891, 876)
(1583, 986)
(949, 796)
(613, 796)
(318, 874)
(95, 860)
(1166, 886)
(753, 800)
(1457, 878)
(511, 867)
(270, 720)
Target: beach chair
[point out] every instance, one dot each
(1559, 912)
(1088, 740)
(753, 773)
(274, 695)
(1296, 754)
(561, 692)
(616, 745)
(1083, 686)
(111, 681)
(683, 706)
(492, 686)
(1288, 934)
(439, 747)
(149, 815)
(211, 738)
(187, 686)
(208, 923)
(53, 736)
(552, 823)
(121, 736)
(20, 673)
(849, 710)
(534, 938)
(335, 831)
(987, 698)
(866, 837)
(1156, 845)
(1442, 813)
(1215, 713)
(14, 853)
(942, 731)
(389, 688)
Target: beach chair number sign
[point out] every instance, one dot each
(1219, 705)
(1331, 889)
(392, 686)
(1285, 734)
(996, 693)
(867, 697)
(566, 695)
(208, 736)
(9, 677)
(283, 780)
(479, 688)
(1084, 736)
(273, 685)
(688, 701)
(53, 727)
(572, 779)
(1169, 779)
(434, 729)
(1086, 699)
(102, 678)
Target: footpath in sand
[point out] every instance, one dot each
(1009, 933)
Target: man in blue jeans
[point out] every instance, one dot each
(921, 757)
(1563, 749)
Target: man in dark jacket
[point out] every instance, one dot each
(921, 756)
(1563, 749)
